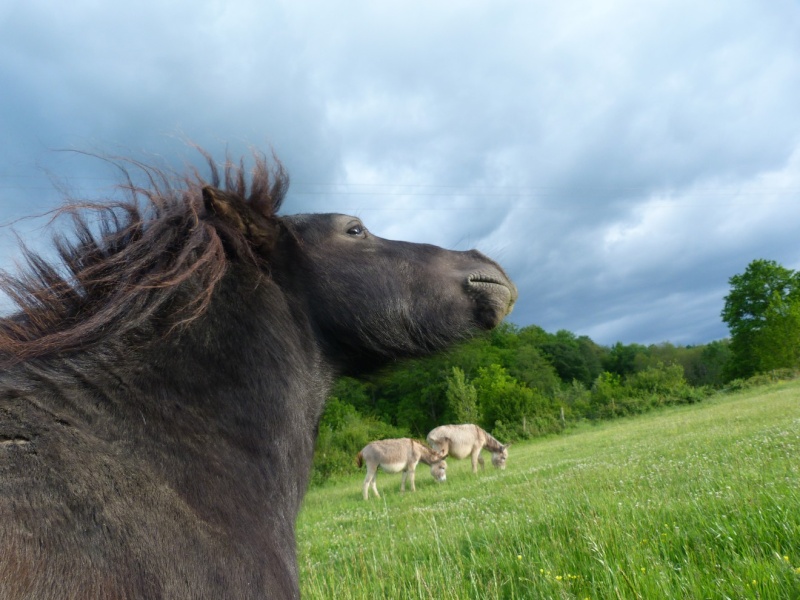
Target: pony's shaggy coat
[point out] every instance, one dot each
(161, 388)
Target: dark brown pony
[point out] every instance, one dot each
(161, 386)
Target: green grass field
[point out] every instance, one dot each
(692, 502)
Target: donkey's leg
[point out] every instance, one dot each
(367, 479)
(372, 475)
(476, 458)
(412, 471)
(403, 480)
(375, 483)
(480, 462)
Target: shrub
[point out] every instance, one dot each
(608, 397)
(575, 400)
(462, 398)
(503, 398)
(659, 380)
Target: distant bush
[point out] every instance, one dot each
(462, 397)
(698, 394)
(659, 380)
(609, 398)
(574, 400)
(527, 428)
(735, 385)
(777, 375)
(525, 412)
(657, 385)
(759, 379)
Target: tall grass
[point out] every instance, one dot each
(699, 501)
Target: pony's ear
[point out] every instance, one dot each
(260, 231)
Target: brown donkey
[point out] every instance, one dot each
(398, 455)
(460, 441)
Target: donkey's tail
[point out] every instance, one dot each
(359, 460)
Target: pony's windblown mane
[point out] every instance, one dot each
(125, 259)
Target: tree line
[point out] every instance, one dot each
(523, 382)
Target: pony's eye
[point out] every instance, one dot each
(356, 230)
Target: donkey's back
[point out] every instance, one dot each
(392, 455)
(459, 441)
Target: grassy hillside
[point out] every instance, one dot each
(699, 501)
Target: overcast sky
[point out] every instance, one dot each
(621, 159)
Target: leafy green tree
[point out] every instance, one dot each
(593, 356)
(337, 413)
(572, 357)
(663, 353)
(704, 365)
(529, 365)
(462, 397)
(413, 394)
(658, 379)
(574, 400)
(357, 394)
(623, 359)
(764, 284)
(778, 345)
(504, 336)
(473, 354)
(533, 335)
(607, 396)
(521, 411)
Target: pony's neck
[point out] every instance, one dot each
(231, 399)
(250, 351)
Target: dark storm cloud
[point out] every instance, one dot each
(622, 159)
